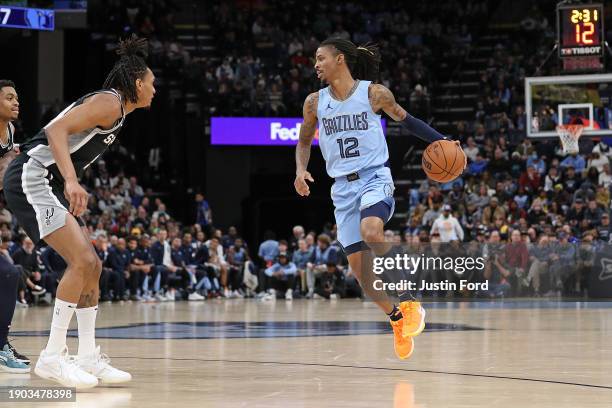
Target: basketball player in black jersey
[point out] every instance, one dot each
(10, 360)
(43, 191)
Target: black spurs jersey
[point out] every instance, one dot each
(5, 148)
(85, 147)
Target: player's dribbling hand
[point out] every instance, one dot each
(300, 183)
(465, 163)
(77, 196)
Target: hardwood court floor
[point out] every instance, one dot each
(244, 353)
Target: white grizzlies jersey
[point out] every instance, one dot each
(350, 133)
(85, 147)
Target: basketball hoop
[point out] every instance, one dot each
(569, 135)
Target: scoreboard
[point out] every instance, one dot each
(27, 18)
(580, 36)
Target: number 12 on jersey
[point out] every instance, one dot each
(348, 147)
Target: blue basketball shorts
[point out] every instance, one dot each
(351, 197)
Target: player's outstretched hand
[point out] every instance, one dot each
(77, 196)
(300, 183)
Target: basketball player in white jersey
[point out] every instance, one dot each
(42, 190)
(355, 151)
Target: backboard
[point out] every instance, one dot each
(569, 99)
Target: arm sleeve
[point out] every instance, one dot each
(421, 129)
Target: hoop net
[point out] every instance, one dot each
(569, 135)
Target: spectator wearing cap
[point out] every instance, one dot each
(282, 276)
(577, 212)
(604, 229)
(447, 226)
(571, 180)
(575, 160)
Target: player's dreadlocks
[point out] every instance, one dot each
(362, 61)
(131, 66)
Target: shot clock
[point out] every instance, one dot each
(580, 30)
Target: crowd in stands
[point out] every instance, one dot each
(267, 52)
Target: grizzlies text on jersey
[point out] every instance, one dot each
(350, 133)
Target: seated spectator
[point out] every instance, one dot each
(492, 211)
(282, 277)
(330, 284)
(323, 253)
(539, 257)
(301, 257)
(471, 149)
(478, 166)
(268, 249)
(118, 260)
(530, 180)
(552, 178)
(574, 160)
(26, 261)
(571, 180)
(562, 263)
(447, 226)
(538, 163)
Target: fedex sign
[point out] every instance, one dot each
(238, 131)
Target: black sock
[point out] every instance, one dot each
(395, 314)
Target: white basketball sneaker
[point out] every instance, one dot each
(61, 368)
(98, 365)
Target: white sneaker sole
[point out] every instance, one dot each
(114, 380)
(42, 373)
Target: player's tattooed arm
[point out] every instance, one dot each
(302, 150)
(381, 98)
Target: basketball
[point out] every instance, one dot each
(443, 161)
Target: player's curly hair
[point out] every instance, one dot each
(363, 61)
(131, 66)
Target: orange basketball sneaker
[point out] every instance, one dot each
(413, 318)
(403, 345)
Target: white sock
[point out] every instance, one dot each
(86, 319)
(62, 314)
